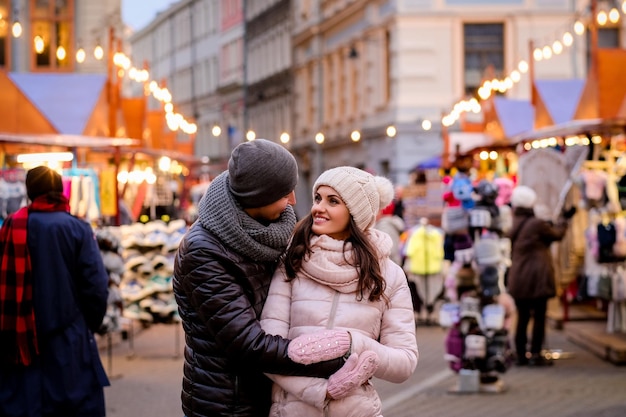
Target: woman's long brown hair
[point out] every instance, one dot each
(366, 258)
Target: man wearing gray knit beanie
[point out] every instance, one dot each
(222, 273)
(260, 172)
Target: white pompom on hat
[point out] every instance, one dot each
(523, 196)
(363, 193)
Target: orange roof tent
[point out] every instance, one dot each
(603, 96)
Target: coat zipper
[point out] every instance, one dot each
(333, 311)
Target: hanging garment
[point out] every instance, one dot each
(425, 251)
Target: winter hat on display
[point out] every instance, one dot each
(363, 193)
(487, 251)
(505, 189)
(41, 180)
(466, 276)
(489, 281)
(454, 219)
(261, 172)
(523, 196)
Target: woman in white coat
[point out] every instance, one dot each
(337, 275)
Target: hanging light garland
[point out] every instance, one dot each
(543, 53)
(175, 121)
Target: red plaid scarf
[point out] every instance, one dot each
(17, 316)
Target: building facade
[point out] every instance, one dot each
(367, 83)
(45, 36)
(195, 48)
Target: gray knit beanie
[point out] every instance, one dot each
(363, 193)
(261, 172)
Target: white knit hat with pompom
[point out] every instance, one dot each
(363, 193)
(523, 196)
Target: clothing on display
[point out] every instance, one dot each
(12, 191)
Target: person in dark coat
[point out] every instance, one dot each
(222, 272)
(53, 299)
(531, 279)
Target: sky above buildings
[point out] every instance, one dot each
(138, 13)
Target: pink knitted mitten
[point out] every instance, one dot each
(357, 370)
(319, 346)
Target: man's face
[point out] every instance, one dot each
(272, 212)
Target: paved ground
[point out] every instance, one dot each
(148, 383)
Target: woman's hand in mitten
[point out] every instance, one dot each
(319, 346)
(357, 370)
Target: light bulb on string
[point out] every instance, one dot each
(579, 27)
(614, 15)
(602, 18)
(16, 29)
(557, 47)
(568, 39)
(537, 54)
(522, 67)
(80, 55)
(38, 44)
(546, 52)
(61, 53)
(98, 52)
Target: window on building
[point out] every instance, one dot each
(52, 33)
(607, 38)
(5, 32)
(484, 53)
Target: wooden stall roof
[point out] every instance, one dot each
(69, 141)
(576, 127)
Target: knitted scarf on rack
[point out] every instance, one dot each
(17, 317)
(219, 212)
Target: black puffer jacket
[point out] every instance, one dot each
(220, 295)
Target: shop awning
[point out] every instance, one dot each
(69, 141)
(464, 142)
(602, 127)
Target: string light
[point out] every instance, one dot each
(16, 29)
(543, 53)
(80, 55)
(61, 53)
(98, 52)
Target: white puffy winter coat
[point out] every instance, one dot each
(323, 296)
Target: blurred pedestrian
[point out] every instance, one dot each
(338, 275)
(222, 275)
(53, 299)
(387, 221)
(531, 279)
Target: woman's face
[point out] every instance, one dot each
(330, 214)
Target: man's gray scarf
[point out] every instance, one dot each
(219, 212)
